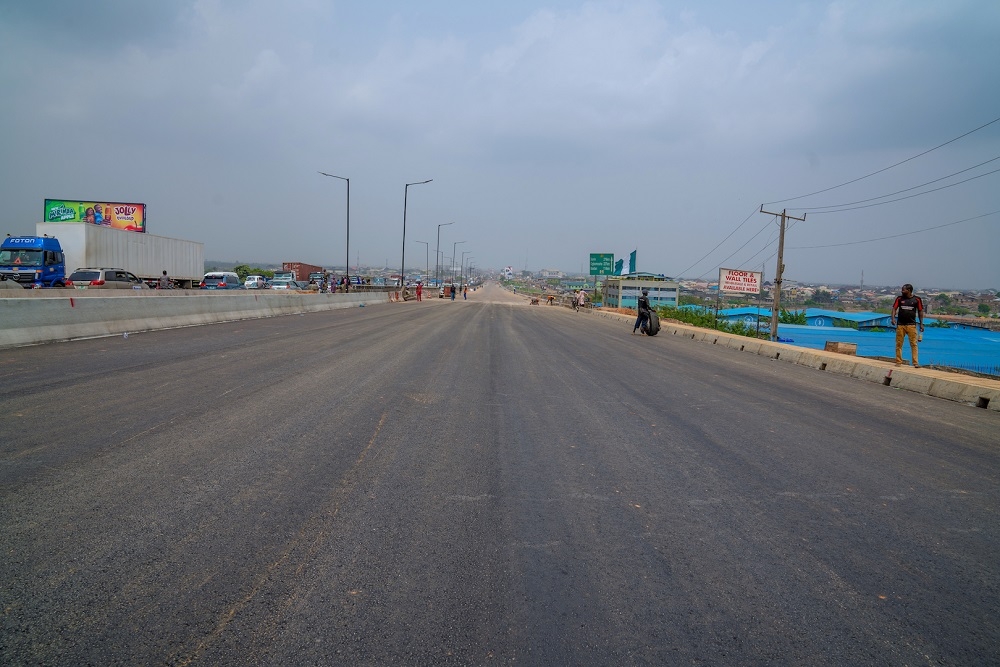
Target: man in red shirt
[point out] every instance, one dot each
(907, 311)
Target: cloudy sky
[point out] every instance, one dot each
(551, 130)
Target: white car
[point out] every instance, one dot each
(255, 282)
(282, 284)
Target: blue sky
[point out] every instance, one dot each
(551, 129)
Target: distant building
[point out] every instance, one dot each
(624, 291)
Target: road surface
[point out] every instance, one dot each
(482, 482)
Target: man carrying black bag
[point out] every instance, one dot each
(644, 310)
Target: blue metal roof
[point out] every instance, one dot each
(818, 316)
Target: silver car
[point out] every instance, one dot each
(88, 278)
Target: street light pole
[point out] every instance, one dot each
(402, 261)
(427, 258)
(347, 249)
(461, 276)
(453, 257)
(437, 267)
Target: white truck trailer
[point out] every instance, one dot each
(145, 255)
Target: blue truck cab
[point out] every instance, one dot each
(33, 261)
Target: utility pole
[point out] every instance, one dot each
(781, 267)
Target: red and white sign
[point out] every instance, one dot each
(733, 281)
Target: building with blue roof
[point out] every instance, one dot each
(816, 317)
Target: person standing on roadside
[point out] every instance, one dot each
(907, 313)
(164, 281)
(420, 291)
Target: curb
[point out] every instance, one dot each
(977, 392)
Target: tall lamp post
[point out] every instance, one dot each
(402, 261)
(461, 276)
(347, 248)
(427, 257)
(437, 269)
(453, 258)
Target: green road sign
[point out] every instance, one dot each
(602, 263)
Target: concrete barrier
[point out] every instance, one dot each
(64, 315)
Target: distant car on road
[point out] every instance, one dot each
(101, 278)
(255, 282)
(282, 285)
(216, 280)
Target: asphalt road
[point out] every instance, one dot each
(483, 482)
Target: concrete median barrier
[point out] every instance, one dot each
(65, 315)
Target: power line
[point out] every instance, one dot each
(894, 236)
(752, 213)
(766, 225)
(861, 178)
(770, 242)
(891, 194)
(890, 201)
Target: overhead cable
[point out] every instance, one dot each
(892, 194)
(925, 192)
(861, 178)
(894, 236)
(752, 213)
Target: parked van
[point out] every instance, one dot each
(221, 280)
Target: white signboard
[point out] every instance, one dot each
(733, 281)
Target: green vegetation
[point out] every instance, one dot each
(792, 317)
(688, 300)
(244, 270)
(706, 319)
(944, 305)
(820, 298)
(984, 309)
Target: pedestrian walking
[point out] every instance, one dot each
(420, 291)
(581, 299)
(907, 314)
(465, 292)
(643, 307)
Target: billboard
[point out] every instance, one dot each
(733, 281)
(115, 214)
(601, 264)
